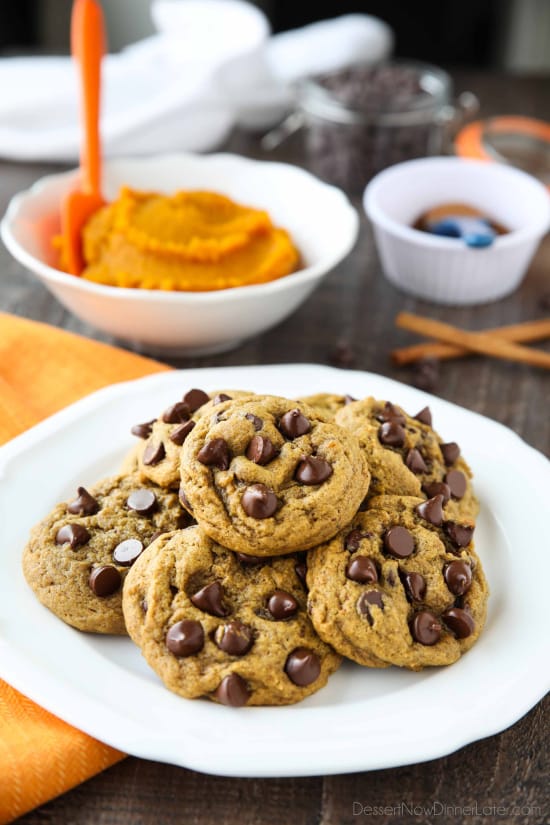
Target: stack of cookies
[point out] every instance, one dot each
(251, 541)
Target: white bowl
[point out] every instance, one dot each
(322, 222)
(445, 270)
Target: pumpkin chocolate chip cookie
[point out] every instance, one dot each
(326, 403)
(232, 628)
(78, 556)
(266, 477)
(400, 585)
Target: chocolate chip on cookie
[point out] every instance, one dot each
(210, 599)
(84, 505)
(261, 450)
(392, 434)
(450, 452)
(282, 605)
(153, 454)
(185, 638)
(312, 470)
(195, 399)
(215, 453)
(105, 580)
(75, 534)
(143, 430)
(180, 433)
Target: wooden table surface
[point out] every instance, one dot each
(350, 317)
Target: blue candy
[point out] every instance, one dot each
(475, 232)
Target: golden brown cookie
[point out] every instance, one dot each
(399, 586)
(326, 403)
(265, 477)
(213, 623)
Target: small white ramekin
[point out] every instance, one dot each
(445, 270)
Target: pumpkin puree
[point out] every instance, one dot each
(192, 241)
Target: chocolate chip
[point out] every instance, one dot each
(426, 374)
(460, 534)
(415, 461)
(301, 571)
(415, 586)
(282, 605)
(176, 414)
(456, 481)
(180, 433)
(437, 488)
(399, 542)
(144, 606)
(232, 691)
(185, 638)
(84, 504)
(220, 398)
(424, 416)
(104, 581)
(144, 502)
(184, 500)
(210, 599)
(261, 450)
(302, 666)
(459, 621)
(343, 355)
(215, 453)
(143, 430)
(195, 399)
(293, 424)
(252, 560)
(353, 540)
(155, 535)
(450, 452)
(366, 601)
(391, 413)
(458, 576)
(349, 399)
(234, 638)
(259, 502)
(257, 422)
(362, 569)
(127, 552)
(431, 510)
(391, 434)
(75, 534)
(364, 505)
(153, 454)
(313, 470)
(426, 628)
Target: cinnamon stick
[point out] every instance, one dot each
(524, 332)
(475, 341)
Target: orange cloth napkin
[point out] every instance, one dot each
(42, 369)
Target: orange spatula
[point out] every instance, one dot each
(87, 47)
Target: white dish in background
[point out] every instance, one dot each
(321, 220)
(445, 270)
(362, 719)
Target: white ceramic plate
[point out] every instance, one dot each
(364, 719)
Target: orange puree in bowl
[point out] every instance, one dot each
(191, 241)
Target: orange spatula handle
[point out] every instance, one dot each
(88, 47)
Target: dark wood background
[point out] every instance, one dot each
(351, 318)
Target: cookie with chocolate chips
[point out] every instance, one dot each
(216, 624)
(77, 558)
(266, 476)
(326, 404)
(407, 457)
(158, 453)
(399, 586)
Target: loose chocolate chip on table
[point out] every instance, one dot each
(313, 470)
(232, 691)
(210, 599)
(282, 605)
(458, 576)
(391, 413)
(215, 453)
(301, 571)
(153, 454)
(75, 534)
(84, 504)
(399, 542)
(431, 510)
(456, 481)
(426, 374)
(144, 502)
(367, 600)
(392, 434)
(293, 424)
(343, 355)
(180, 433)
(234, 638)
(183, 499)
(362, 569)
(302, 666)
(460, 534)
(143, 430)
(257, 422)
(259, 502)
(104, 581)
(450, 452)
(426, 628)
(185, 638)
(220, 398)
(459, 621)
(415, 586)
(127, 552)
(261, 450)
(176, 414)
(244, 559)
(424, 416)
(437, 488)
(415, 461)
(195, 399)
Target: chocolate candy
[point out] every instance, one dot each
(459, 621)
(415, 586)
(105, 580)
(353, 540)
(399, 542)
(456, 482)
(282, 605)
(424, 416)
(185, 638)
(426, 628)
(180, 433)
(195, 399)
(366, 601)
(220, 398)
(431, 510)
(293, 424)
(437, 488)
(391, 413)
(302, 666)
(210, 599)
(184, 500)
(391, 434)
(257, 422)
(232, 691)
(127, 552)
(215, 453)
(458, 576)
(234, 638)
(84, 504)
(415, 461)
(460, 534)
(261, 450)
(362, 569)
(176, 414)
(153, 454)
(144, 502)
(143, 430)
(259, 502)
(313, 470)
(75, 534)
(301, 571)
(450, 452)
